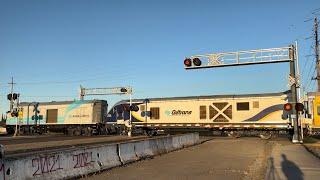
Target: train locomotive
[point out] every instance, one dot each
(260, 114)
(79, 117)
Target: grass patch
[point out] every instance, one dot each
(310, 140)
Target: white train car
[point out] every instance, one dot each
(261, 112)
(71, 117)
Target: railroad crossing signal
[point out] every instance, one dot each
(12, 96)
(105, 91)
(134, 108)
(37, 117)
(14, 113)
(111, 91)
(259, 56)
(298, 107)
(287, 107)
(292, 81)
(250, 57)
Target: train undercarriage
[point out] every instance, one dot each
(71, 130)
(109, 129)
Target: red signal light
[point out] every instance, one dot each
(287, 107)
(187, 62)
(14, 114)
(196, 61)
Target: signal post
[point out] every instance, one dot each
(111, 91)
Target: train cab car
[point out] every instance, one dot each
(79, 117)
(311, 116)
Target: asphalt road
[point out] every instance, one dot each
(222, 158)
(225, 158)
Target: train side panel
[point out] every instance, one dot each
(253, 110)
(263, 111)
(60, 116)
(75, 113)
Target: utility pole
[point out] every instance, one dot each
(316, 49)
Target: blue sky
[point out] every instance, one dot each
(51, 47)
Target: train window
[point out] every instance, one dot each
(255, 104)
(203, 112)
(318, 110)
(155, 113)
(243, 106)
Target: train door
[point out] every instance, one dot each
(52, 115)
(316, 111)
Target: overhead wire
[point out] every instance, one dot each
(311, 79)
(312, 88)
(307, 60)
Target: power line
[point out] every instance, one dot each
(306, 63)
(310, 70)
(311, 79)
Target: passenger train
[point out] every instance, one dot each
(254, 114)
(249, 114)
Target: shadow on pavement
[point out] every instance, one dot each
(272, 174)
(289, 169)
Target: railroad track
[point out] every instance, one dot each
(16, 146)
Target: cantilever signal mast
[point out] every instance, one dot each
(251, 57)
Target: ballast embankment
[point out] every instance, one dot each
(80, 161)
